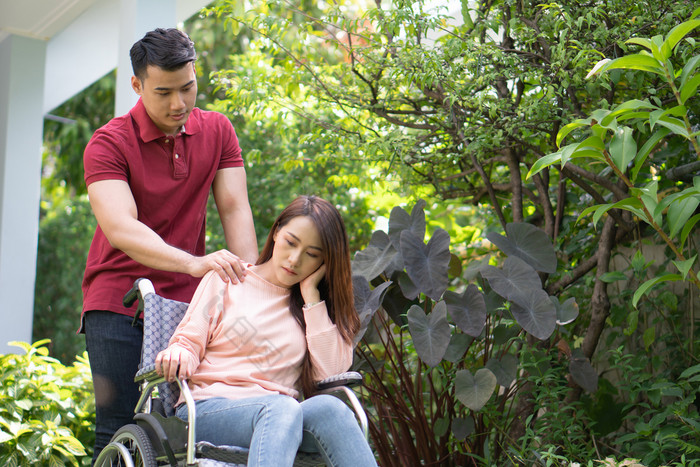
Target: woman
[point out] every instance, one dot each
(249, 349)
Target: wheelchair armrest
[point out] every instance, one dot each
(148, 374)
(349, 378)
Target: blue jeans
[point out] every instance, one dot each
(114, 349)
(274, 427)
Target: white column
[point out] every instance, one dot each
(137, 18)
(21, 125)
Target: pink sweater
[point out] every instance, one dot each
(245, 342)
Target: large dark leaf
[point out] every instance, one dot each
(431, 333)
(408, 288)
(463, 427)
(474, 391)
(567, 311)
(505, 369)
(468, 310)
(367, 301)
(396, 304)
(427, 265)
(528, 243)
(583, 373)
(514, 281)
(374, 259)
(459, 343)
(400, 220)
(537, 315)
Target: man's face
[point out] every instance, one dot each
(168, 96)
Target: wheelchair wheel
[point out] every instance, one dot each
(130, 445)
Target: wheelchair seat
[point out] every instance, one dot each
(158, 437)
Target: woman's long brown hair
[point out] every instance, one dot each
(336, 287)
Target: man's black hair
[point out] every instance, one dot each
(168, 49)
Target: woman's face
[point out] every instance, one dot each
(297, 252)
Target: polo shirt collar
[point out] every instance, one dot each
(148, 131)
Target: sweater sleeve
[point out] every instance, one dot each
(329, 352)
(192, 334)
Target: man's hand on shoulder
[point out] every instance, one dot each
(227, 265)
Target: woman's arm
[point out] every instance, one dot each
(189, 341)
(330, 354)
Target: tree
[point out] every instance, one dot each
(469, 109)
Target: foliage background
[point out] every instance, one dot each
(383, 104)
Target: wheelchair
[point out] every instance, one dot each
(158, 437)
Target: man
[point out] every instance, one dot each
(148, 175)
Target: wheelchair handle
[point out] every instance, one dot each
(138, 291)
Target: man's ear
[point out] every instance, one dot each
(136, 85)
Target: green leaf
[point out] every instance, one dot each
(630, 106)
(431, 333)
(564, 132)
(613, 276)
(690, 88)
(544, 162)
(680, 31)
(597, 67)
(24, 404)
(474, 391)
(685, 266)
(688, 227)
(643, 153)
(589, 210)
(5, 437)
(689, 70)
(688, 372)
(680, 211)
(643, 41)
(640, 62)
(632, 205)
(652, 282)
(649, 337)
(639, 262)
(676, 125)
(648, 194)
(623, 148)
(659, 49)
(440, 426)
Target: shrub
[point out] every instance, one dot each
(46, 409)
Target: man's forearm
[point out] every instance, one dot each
(239, 232)
(146, 247)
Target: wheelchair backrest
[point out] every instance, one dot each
(161, 318)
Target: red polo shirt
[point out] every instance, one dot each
(170, 179)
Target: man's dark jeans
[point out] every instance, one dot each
(114, 348)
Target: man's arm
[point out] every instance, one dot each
(116, 213)
(231, 196)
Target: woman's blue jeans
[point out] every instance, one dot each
(274, 427)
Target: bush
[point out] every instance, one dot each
(46, 409)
